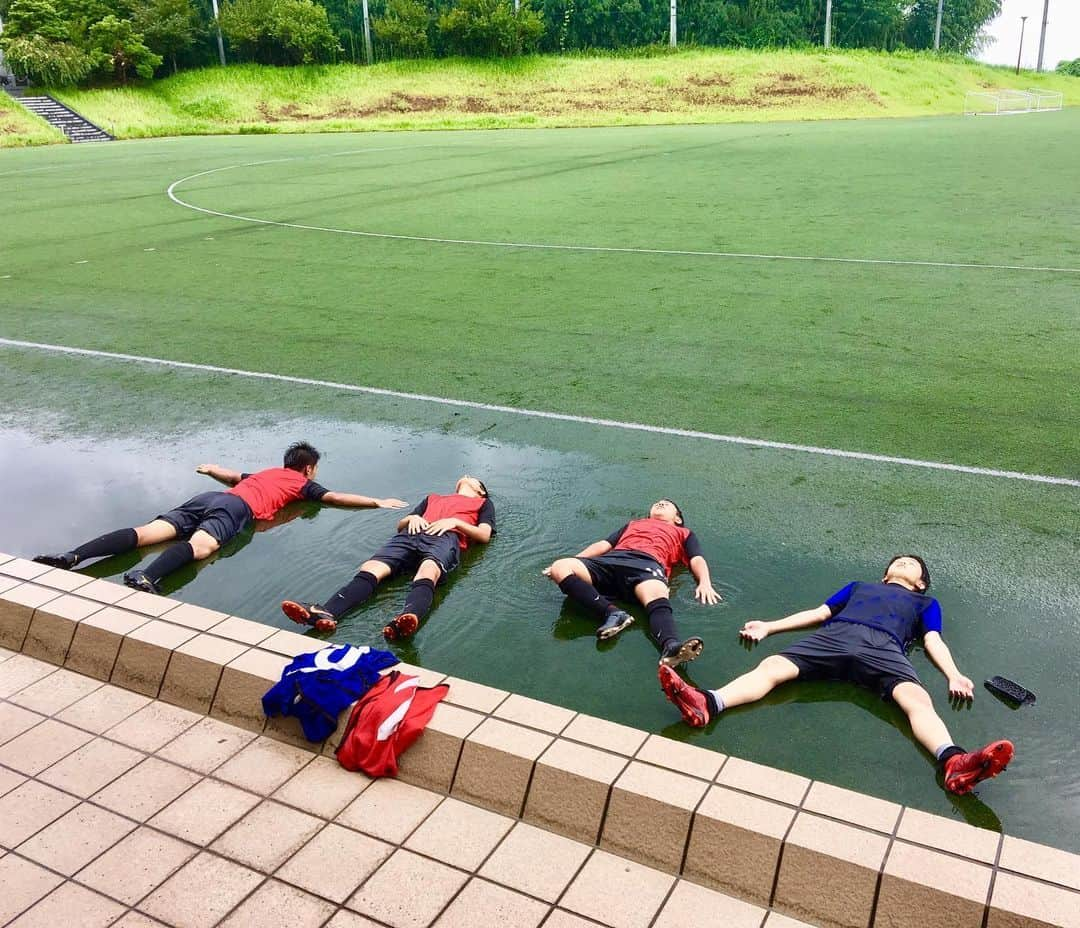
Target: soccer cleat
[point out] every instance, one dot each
(64, 561)
(963, 771)
(401, 626)
(309, 614)
(616, 621)
(138, 580)
(675, 653)
(690, 702)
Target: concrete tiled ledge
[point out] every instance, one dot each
(805, 852)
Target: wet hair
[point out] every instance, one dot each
(925, 572)
(678, 511)
(300, 455)
(483, 489)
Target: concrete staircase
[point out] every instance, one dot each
(74, 126)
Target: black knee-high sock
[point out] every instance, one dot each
(124, 539)
(172, 558)
(356, 591)
(421, 595)
(585, 594)
(662, 622)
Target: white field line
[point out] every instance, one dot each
(555, 416)
(605, 249)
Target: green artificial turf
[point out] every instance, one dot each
(972, 366)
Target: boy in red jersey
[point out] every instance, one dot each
(429, 543)
(209, 520)
(637, 561)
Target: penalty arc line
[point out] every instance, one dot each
(170, 191)
(545, 414)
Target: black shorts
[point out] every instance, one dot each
(222, 515)
(617, 573)
(856, 653)
(404, 553)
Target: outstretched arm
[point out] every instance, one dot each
(704, 592)
(356, 501)
(595, 549)
(221, 474)
(756, 630)
(959, 685)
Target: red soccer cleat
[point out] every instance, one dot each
(691, 702)
(309, 614)
(963, 771)
(402, 626)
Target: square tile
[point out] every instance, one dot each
(1022, 903)
(927, 889)
(193, 674)
(459, 834)
(41, 746)
(90, 768)
(206, 745)
(196, 617)
(22, 884)
(535, 714)
(291, 644)
(407, 891)
(204, 811)
(425, 675)
(59, 906)
(243, 630)
(947, 835)
(767, 782)
(535, 861)
(15, 720)
(389, 809)
(323, 788)
(432, 760)
(276, 903)
(29, 808)
(136, 865)
(73, 840)
(97, 640)
(561, 919)
(54, 693)
(58, 579)
(18, 672)
(144, 654)
(681, 757)
(9, 779)
(485, 905)
(244, 680)
(856, 808)
(600, 733)
(617, 892)
(149, 604)
(695, 905)
(53, 626)
(496, 764)
(24, 568)
(264, 765)
(345, 919)
(201, 893)
(102, 709)
(474, 696)
(268, 836)
(335, 862)
(153, 726)
(146, 789)
(104, 591)
(1046, 863)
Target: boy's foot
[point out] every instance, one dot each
(690, 702)
(613, 624)
(963, 771)
(676, 653)
(401, 626)
(310, 614)
(64, 561)
(138, 580)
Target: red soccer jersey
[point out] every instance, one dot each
(658, 539)
(456, 506)
(268, 490)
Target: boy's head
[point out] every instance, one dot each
(910, 568)
(667, 511)
(471, 486)
(302, 457)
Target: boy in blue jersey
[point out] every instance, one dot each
(867, 629)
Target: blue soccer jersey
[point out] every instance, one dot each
(902, 613)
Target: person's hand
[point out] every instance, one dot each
(960, 687)
(414, 525)
(204, 468)
(755, 630)
(547, 570)
(391, 503)
(706, 594)
(440, 526)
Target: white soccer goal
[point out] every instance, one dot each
(1010, 102)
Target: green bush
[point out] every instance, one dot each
(491, 28)
(169, 27)
(1070, 67)
(279, 31)
(119, 49)
(56, 64)
(403, 31)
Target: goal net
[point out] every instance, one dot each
(1009, 102)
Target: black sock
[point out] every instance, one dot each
(662, 622)
(124, 539)
(356, 591)
(172, 558)
(585, 595)
(949, 752)
(421, 595)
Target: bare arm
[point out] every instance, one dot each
(595, 549)
(705, 593)
(357, 501)
(756, 630)
(959, 685)
(221, 474)
(480, 533)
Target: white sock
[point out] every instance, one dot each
(941, 750)
(719, 700)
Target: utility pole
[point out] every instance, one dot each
(674, 26)
(368, 54)
(1023, 22)
(220, 43)
(1042, 35)
(828, 23)
(937, 25)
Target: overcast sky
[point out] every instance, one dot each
(1062, 33)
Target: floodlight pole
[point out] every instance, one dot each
(828, 23)
(1042, 35)
(220, 43)
(368, 55)
(674, 24)
(937, 25)
(1023, 22)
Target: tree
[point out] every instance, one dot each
(278, 31)
(491, 28)
(962, 24)
(1069, 67)
(54, 64)
(404, 30)
(121, 49)
(169, 27)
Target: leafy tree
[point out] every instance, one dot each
(405, 29)
(35, 17)
(491, 28)
(169, 27)
(44, 62)
(962, 24)
(279, 31)
(1069, 67)
(121, 49)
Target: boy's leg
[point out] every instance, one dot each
(653, 595)
(197, 548)
(576, 583)
(417, 603)
(357, 591)
(119, 542)
(699, 707)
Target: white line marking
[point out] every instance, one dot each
(543, 414)
(606, 249)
